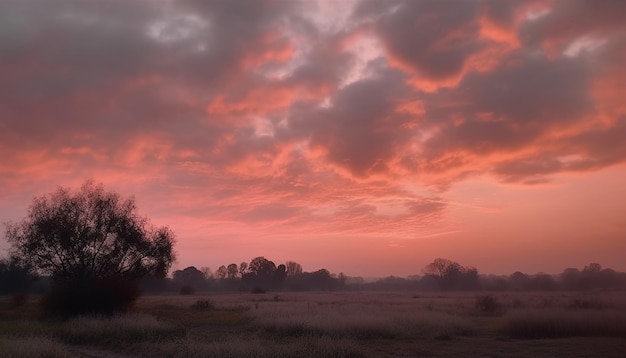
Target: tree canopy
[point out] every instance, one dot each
(90, 234)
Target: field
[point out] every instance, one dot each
(331, 324)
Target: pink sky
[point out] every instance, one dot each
(365, 137)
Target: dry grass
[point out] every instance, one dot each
(31, 347)
(345, 324)
(561, 323)
(240, 347)
(113, 331)
(357, 319)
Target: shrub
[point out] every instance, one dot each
(203, 305)
(487, 304)
(103, 296)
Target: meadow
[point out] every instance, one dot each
(330, 324)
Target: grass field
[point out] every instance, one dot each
(337, 324)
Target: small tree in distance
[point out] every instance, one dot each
(94, 247)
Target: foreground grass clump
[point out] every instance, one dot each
(487, 304)
(31, 347)
(562, 323)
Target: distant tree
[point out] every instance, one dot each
(207, 273)
(243, 268)
(451, 275)
(190, 276)
(280, 274)
(93, 245)
(440, 268)
(261, 274)
(593, 267)
(342, 278)
(231, 271)
(221, 272)
(519, 281)
(571, 279)
(293, 268)
(260, 266)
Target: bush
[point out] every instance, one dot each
(103, 297)
(487, 304)
(203, 305)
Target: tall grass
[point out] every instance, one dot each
(357, 320)
(557, 323)
(307, 346)
(122, 329)
(31, 347)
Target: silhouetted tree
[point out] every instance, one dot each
(519, 281)
(207, 273)
(293, 268)
(231, 271)
(451, 275)
(243, 268)
(261, 274)
(93, 245)
(221, 272)
(190, 277)
(260, 266)
(593, 268)
(280, 274)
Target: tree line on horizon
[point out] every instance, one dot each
(88, 251)
(440, 275)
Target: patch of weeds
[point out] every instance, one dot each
(203, 305)
(585, 304)
(32, 347)
(487, 304)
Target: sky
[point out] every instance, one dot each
(364, 137)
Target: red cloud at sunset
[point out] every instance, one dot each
(302, 130)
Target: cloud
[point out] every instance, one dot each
(275, 114)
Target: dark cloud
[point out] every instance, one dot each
(432, 37)
(234, 95)
(567, 21)
(510, 107)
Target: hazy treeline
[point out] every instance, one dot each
(261, 275)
